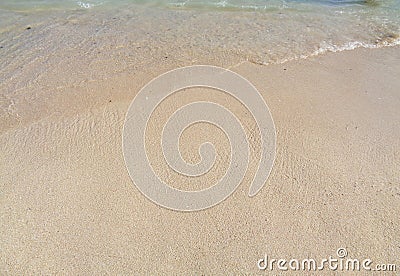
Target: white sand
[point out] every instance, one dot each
(67, 204)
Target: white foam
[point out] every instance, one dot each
(352, 45)
(326, 48)
(85, 5)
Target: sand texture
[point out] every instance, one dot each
(68, 205)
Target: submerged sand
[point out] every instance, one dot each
(67, 204)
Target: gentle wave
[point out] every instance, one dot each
(332, 48)
(354, 45)
(104, 37)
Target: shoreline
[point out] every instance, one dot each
(67, 48)
(129, 83)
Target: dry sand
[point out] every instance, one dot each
(68, 206)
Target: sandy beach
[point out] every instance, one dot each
(328, 71)
(68, 206)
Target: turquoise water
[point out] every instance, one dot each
(270, 5)
(391, 5)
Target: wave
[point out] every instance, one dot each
(325, 48)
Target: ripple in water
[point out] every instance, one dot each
(106, 37)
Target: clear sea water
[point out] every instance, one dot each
(92, 39)
(266, 5)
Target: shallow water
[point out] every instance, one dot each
(295, 25)
(195, 4)
(67, 42)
